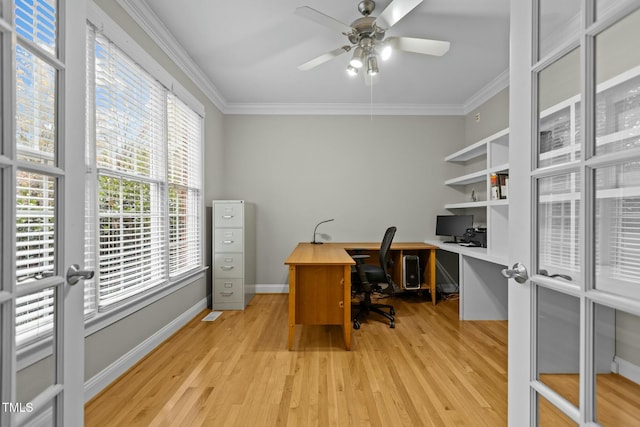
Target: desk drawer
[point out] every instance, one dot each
(227, 291)
(227, 266)
(228, 214)
(228, 240)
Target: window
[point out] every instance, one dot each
(144, 216)
(184, 179)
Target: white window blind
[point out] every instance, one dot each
(130, 158)
(144, 158)
(184, 129)
(558, 207)
(625, 236)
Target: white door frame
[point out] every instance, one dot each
(520, 111)
(66, 394)
(523, 383)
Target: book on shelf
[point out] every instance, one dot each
(503, 185)
(494, 186)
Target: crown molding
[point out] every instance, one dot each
(144, 16)
(345, 109)
(487, 92)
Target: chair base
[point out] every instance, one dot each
(366, 307)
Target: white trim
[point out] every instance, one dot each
(101, 380)
(345, 109)
(487, 92)
(627, 369)
(144, 16)
(272, 288)
(121, 38)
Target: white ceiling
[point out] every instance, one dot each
(250, 49)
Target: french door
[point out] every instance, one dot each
(574, 220)
(42, 50)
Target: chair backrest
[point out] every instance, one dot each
(384, 250)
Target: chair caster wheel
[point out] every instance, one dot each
(392, 325)
(392, 312)
(356, 325)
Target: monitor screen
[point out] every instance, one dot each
(453, 225)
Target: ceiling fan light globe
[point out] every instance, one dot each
(352, 71)
(357, 61)
(386, 52)
(372, 65)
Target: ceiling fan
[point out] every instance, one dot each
(366, 37)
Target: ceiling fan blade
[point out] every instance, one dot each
(397, 10)
(323, 58)
(423, 46)
(321, 18)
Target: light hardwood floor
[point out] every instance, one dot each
(431, 370)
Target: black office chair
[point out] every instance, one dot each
(368, 278)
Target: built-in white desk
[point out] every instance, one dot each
(483, 289)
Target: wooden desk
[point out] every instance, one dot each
(320, 280)
(320, 288)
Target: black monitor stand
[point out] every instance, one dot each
(455, 240)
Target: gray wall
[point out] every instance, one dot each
(367, 173)
(493, 117)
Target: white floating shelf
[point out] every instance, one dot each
(471, 152)
(468, 179)
(466, 205)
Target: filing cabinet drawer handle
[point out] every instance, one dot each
(226, 267)
(226, 294)
(228, 285)
(227, 242)
(227, 216)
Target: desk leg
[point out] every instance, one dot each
(346, 327)
(292, 305)
(432, 274)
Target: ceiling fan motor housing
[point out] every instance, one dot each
(366, 7)
(365, 27)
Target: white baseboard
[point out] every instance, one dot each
(105, 377)
(272, 289)
(628, 369)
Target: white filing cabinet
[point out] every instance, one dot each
(233, 254)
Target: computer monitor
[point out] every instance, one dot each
(453, 226)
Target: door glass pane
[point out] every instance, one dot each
(558, 222)
(35, 108)
(35, 226)
(559, 21)
(34, 315)
(558, 107)
(604, 6)
(617, 100)
(617, 229)
(550, 416)
(617, 393)
(558, 342)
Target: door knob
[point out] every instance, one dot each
(518, 273)
(74, 274)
